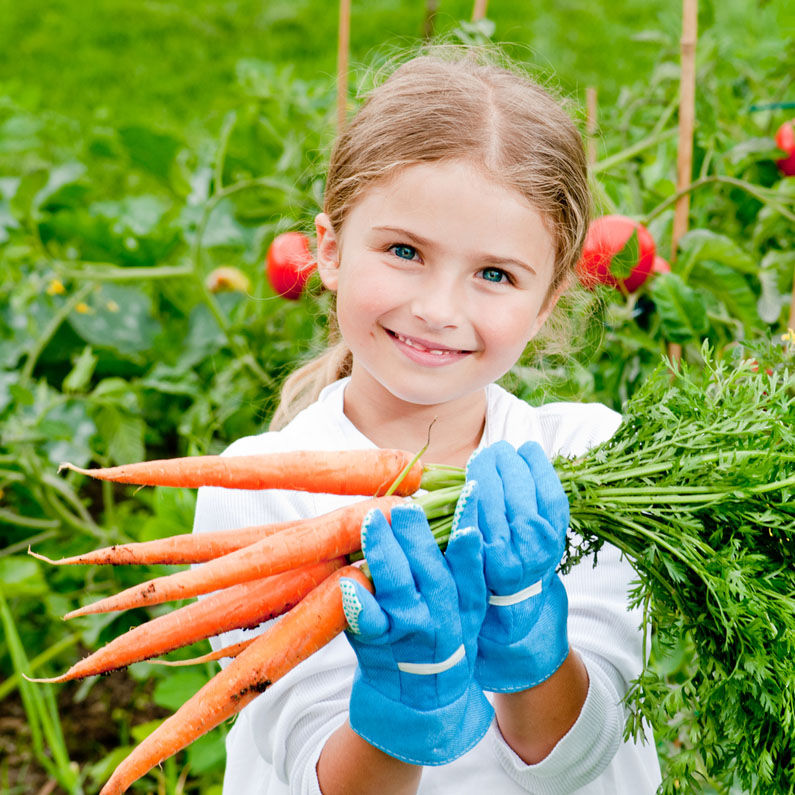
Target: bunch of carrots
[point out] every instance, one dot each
(674, 489)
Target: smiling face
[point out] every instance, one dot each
(442, 277)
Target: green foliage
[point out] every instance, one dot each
(136, 158)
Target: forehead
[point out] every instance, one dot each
(452, 197)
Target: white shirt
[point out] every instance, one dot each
(275, 743)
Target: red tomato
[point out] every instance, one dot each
(289, 264)
(785, 141)
(660, 265)
(608, 236)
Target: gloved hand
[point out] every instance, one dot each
(522, 511)
(414, 695)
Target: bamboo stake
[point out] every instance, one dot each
(687, 112)
(343, 44)
(590, 124)
(429, 23)
(479, 11)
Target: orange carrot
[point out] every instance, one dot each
(329, 536)
(232, 650)
(173, 550)
(245, 605)
(315, 621)
(365, 472)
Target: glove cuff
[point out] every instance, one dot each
(419, 737)
(528, 662)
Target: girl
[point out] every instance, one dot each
(455, 209)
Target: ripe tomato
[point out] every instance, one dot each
(785, 141)
(616, 245)
(289, 264)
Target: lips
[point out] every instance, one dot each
(427, 352)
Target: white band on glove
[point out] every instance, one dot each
(515, 598)
(433, 668)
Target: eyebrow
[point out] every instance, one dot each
(491, 259)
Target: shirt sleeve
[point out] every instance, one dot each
(602, 629)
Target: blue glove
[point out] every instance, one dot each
(414, 695)
(520, 507)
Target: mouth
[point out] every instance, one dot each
(427, 347)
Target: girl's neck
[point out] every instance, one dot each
(451, 430)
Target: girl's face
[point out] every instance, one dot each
(442, 277)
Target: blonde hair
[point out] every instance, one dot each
(454, 103)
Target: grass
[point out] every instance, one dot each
(171, 63)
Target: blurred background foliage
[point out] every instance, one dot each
(143, 145)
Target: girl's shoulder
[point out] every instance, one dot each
(561, 428)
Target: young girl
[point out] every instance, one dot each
(455, 210)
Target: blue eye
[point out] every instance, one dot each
(494, 275)
(403, 251)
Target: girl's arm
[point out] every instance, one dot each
(348, 764)
(533, 721)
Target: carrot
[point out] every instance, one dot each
(329, 536)
(232, 650)
(184, 548)
(245, 605)
(365, 472)
(315, 621)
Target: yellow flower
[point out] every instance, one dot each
(112, 306)
(56, 287)
(83, 308)
(789, 336)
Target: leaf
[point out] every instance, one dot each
(152, 151)
(123, 434)
(624, 261)
(79, 376)
(703, 244)
(730, 288)
(175, 689)
(117, 317)
(21, 576)
(683, 316)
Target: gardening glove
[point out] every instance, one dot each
(414, 695)
(520, 507)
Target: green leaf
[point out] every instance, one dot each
(152, 151)
(122, 433)
(175, 689)
(683, 316)
(79, 376)
(207, 753)
(703, 244)
(624, 261)
(730, 288)
(22, 576)
(117, 317)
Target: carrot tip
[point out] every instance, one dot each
(47, 681)
(73, 468)
(39, 556)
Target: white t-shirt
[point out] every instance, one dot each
(275, 743)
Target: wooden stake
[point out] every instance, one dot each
(343, 44)
(687, 113)
(479, 11)
(590, 124)
(429, 23)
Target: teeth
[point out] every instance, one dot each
(412, 344)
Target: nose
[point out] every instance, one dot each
(438, 301)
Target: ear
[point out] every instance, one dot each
(328, 252)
